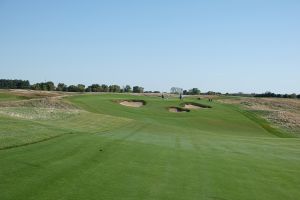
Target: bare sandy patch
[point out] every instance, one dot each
(194, 105)
(173, 110)
(190, 106)
(135, 104)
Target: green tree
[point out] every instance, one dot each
(14, 84)
(104, 88)
(127, 88)
(81, 87)
(61, 87)
(194, 91)
(114, 88)
(137, 89)
(176, 90)
(36, 86)
(293, 96)
(50, 86)
(72, 88)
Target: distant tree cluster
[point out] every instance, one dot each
(138, 89)
(266, 94)
(47, 86)
(151, 91)
(127, 88)
(14, 84)
(240, 94)
(270, 94)
(193, 91)
(62, 87)
(76, 88)
(50, 86)
(212, 93)
(176, 90)
(97, 88)
(114, 88)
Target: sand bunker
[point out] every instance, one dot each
(178, 109)
(192, 105)
(133, 103)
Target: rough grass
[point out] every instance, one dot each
(35, 113)
(38, 109)
(117, 152)
(284, 113)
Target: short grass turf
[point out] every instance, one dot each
(6, 96)
(117, 152)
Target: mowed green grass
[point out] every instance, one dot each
(115, 152)
(6, 96)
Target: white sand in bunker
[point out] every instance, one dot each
(190, 106)
(173, 110)
(135, 104)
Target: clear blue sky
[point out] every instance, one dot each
(219, 45)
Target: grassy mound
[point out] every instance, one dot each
(38, 109)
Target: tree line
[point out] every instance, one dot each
(50, 86)
(266, 94)
(177, 90)
(14, 84)
(271, 94)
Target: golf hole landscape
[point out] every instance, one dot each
(57, 145)
(149, 100)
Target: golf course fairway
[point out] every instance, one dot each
(104, 150)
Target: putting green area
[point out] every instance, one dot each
(100, 149)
